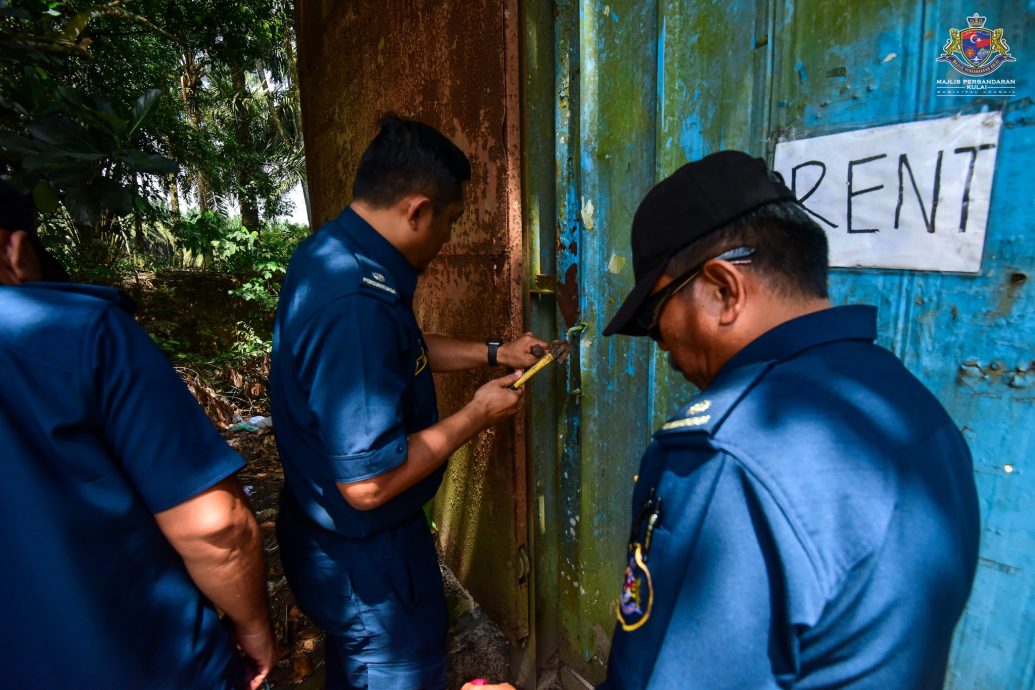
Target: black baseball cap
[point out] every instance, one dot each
(18, 212)
(695, 200)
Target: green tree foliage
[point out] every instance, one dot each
(97, 101)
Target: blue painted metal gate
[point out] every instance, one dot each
(619, 94)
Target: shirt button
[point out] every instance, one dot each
(399, 448)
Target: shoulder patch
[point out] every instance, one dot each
(687, 422)
(374, 279)
(706, 412)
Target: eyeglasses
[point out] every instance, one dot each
(649, 313)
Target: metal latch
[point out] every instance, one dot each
(524, 569)
(544, 284)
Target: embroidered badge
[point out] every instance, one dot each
(379, 286)
(422, 362)
(637, 595)
(698, 408)
(689, 421)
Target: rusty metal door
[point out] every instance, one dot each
(452, 64)
(618, 94)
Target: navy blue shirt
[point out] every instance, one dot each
(808, 521)
(97, 433)
(350, 378)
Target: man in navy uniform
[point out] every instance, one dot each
(123, 525)
(357, 423)
(810, 519)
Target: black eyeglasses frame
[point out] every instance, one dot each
(649, 313)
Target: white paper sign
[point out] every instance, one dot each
(911, 196)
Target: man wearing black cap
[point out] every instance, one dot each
(123, 527)
(810, 519)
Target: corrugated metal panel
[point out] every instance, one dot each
(547, 397)
(453, 65)
(641, 87)
(948, 329)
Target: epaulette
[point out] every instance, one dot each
(101, 292)
(375, 280)
(706, 412)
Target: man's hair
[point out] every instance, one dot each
(409, 157)
(17, 212)
(790, 249)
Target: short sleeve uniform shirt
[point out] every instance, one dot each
(350, 378)
(97, 434)
(809, 521)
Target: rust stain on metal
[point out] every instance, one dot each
(1014, 282)
(452, 64)
(454, 83)
(568, 296)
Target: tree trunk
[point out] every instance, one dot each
(138, 222)
(174, 198)
(189, 82)
(242, 119)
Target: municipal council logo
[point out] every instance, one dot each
(976, 52)
(983, 50)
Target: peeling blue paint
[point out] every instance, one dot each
(822, 68)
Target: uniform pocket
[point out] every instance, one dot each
(414, 575)
(397, 591)
(322, 585)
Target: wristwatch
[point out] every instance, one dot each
(494, 346)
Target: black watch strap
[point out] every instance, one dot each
(494, 346)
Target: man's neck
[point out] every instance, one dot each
(386, 223)
(778, 311)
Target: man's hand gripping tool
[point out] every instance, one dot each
(557, 352)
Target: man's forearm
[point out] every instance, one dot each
(234, 579)
(428, 449)
(216, 535)
(452, 354)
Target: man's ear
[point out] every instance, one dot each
(727, 287)
(18, 261)
(417, 208)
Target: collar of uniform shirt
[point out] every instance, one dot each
(380, 250)
(853, 322)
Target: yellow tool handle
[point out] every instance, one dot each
(532, 371)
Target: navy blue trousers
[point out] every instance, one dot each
(379, 599)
